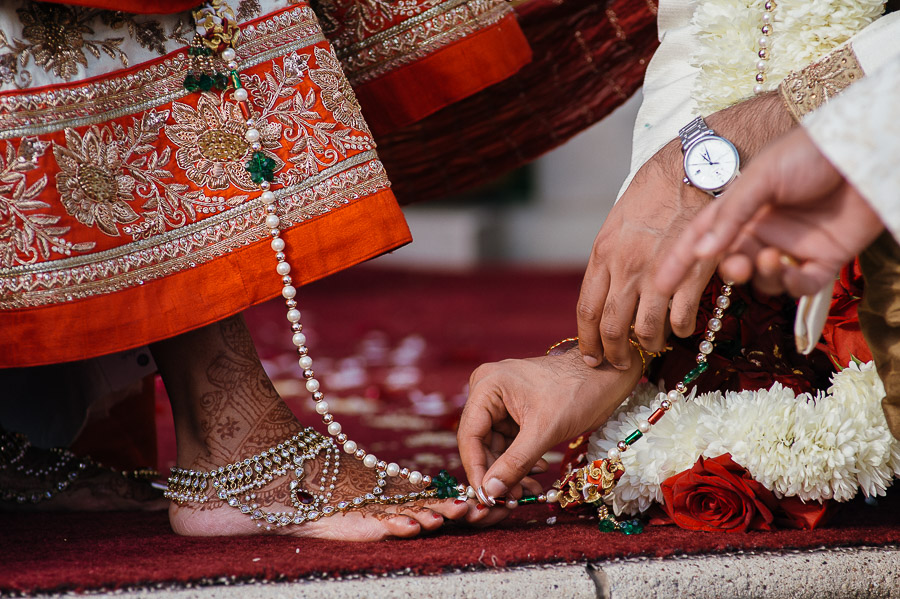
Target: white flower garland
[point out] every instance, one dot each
(814, 448)
(802, 32)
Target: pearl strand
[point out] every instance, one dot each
(764, 51)
(706, 347)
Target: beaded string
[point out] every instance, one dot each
(216, 39)
(593, 482)
(763, 42)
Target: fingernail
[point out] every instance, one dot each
(480, 507)
(591, 361)
(495, 488)
(412, 522)
(706, 244)
(437, 516)
(483, 497)
(459, 501)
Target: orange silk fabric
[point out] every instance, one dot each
(409, 60)
(131, 217)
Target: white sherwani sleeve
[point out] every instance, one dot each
(859, 133)
(671, 77)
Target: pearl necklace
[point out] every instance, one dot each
(764, 50)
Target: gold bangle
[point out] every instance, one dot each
(558, 343)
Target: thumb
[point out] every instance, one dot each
(512, 465)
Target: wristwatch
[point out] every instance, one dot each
(711, 162)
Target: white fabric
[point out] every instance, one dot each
(670, 78)
(859, 133)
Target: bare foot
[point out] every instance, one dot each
(353, 481)
(226, 410)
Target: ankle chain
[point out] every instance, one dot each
(235, 484)
(47, 480)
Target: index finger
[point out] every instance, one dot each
(591, 299)
(475, 426)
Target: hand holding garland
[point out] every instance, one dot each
(519, 409)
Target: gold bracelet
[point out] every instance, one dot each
(646, 354)
(558, 343)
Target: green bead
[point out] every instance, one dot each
(607, 525)
(190, 83)
(632, 527)
(221, 81)
(528, 499)
(261, 168)
(235, 80)
(633, 437)
(205, 82)
(702, 367)
(445, 485)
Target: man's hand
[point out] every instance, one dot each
(519, 409)
(791, 221)
(641, 230)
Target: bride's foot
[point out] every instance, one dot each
(226, 411)
(331, 499)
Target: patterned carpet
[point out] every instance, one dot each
(394, 351)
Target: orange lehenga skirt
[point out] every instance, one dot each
(126, 215)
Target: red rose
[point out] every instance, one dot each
(718, 495)
(842, 338)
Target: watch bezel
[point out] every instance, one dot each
(687, 173)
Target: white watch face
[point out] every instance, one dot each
(711, 163)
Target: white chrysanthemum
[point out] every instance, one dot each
(728, 31)
(878, 461)
(671, 446)
(814, 448)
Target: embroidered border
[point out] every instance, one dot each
(806, 90)
(139, 262)
(418, 37)
(149, 87)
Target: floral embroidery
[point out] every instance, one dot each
(318, 142)
(248, 9)
(111, 166)
(337, 95)
(27, 232)
(211, 146)
(59, 39)
(91, 183)
(374, 37)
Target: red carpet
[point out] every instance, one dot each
(395, 351)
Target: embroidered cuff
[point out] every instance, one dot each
(806, 90)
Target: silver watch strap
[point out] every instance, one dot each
(694, 131)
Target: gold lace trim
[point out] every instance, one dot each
(806, 90)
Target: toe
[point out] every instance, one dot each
(451, 509)
(402, 526)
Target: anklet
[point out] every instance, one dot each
(54, 478)
(235, 483)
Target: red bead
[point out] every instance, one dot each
(245, 110)
(655, 416)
